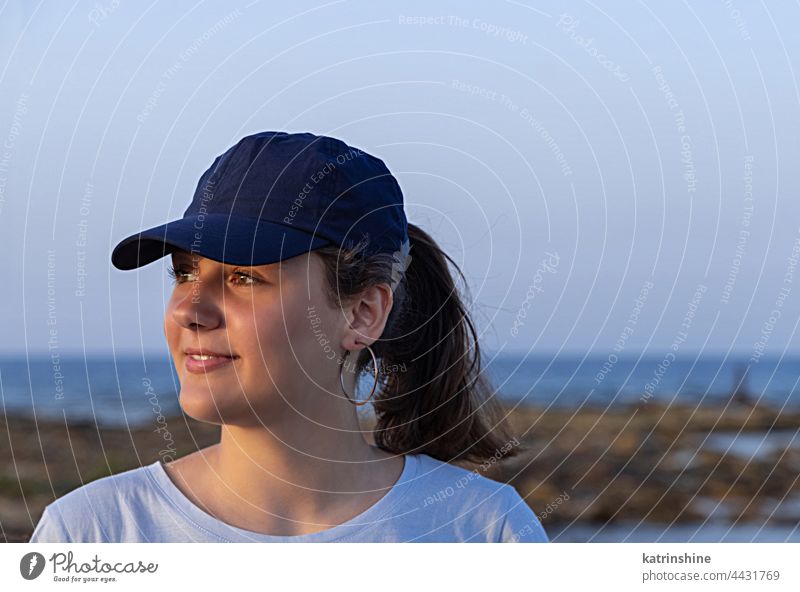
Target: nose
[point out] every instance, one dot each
(199, 307)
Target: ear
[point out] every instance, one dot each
(367, 314)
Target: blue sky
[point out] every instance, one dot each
(617, 176)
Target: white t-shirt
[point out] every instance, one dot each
(432, 501)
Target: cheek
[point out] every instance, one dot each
(315, 332)
(263, 339)
(274, 333)
(260, 338)
(283, 331)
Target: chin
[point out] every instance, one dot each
(199, 404)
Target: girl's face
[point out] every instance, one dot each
(268, 328)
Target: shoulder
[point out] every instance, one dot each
(447, 479)
(114, 490)
(521, 524)
(491, 510)
(86, 514)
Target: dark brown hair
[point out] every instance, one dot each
(441, 403)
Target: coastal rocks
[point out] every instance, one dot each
(660, 463)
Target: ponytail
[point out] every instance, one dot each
(435, 398)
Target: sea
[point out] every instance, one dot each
(126, 390)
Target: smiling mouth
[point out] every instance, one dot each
(203, 363)
(204, 357)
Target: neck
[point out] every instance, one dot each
(298, 475)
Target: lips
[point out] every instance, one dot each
(191, 351)
(200, 361)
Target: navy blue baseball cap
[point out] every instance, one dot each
(276, 195)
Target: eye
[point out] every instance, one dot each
(179, 275)
(242, 278)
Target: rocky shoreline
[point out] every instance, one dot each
(651, 462)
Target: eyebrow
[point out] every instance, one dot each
(179, 255)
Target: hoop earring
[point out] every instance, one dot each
(375, 384)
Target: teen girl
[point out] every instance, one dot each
(295, 271)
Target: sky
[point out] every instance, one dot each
(613, 179)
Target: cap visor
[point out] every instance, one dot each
(232, 240)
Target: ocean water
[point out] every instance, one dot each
(113, 392)
(130, 390)
(608, 380)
